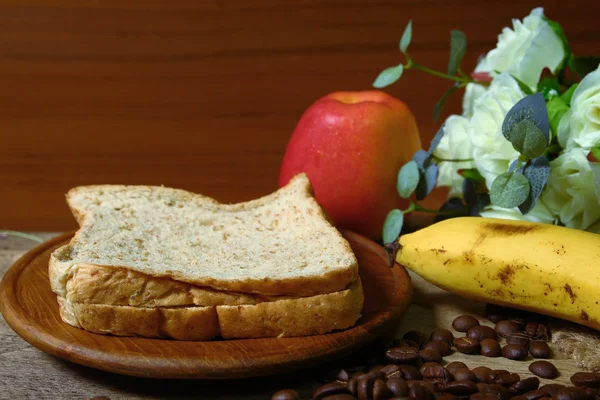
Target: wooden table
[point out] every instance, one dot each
(26, 372)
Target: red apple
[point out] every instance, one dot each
(352, 145)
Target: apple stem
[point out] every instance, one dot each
(22, 235)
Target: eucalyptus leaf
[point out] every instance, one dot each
(471, 173)
(428, 181)
(452, 204)
(513, 165)
(568, 95)
(537, 172)
(406, 37)
(475, 200)
(510, 190)
(392, 226)
(557, 108)
(482, 200)
(388, 76)
(437, 110)
(421, 157)
(408, 179)
(586, 64)
(436, 140)
(532, 109)
(458, 47)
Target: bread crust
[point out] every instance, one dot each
(288, 317)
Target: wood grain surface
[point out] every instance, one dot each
(30, 308)
(28, 373)
(203, 95)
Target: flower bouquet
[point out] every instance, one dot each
(527, 144)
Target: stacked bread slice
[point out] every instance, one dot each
(161, 262)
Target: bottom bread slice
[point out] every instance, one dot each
(281, 318)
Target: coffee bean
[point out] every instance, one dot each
(397, 386)
(507, 379)
(420, 392)
(535, 394)
(340, 397)
(464, 322)
(514, 352)
(416, 336)
(524, 385)
(552, 388)
(352, 386)
(364, 388)
(482, 396)
(442, 347)
(356, 374)
(428, 385)
(586, 379)
(505, 328)
(464, 374)
(402, 355)
(454, 365)
(380, 390)
(499, 390)
(372, 375)
(490, 348)
(543, 369)
(466, 345)
(537, 331)
(430, 355)
(409, 372)
(342, 375)
(100, 398)
(495, 313)
(435, 372)
(483, 374)
(445, 396)
(403, 343)
(591, 393)
(517, 338)
(539, 349)
(330, 389)
(482, 332)
(571, 393)
(442, 334)
(390, 370)
(459, 388)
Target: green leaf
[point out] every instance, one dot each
(509, 190)
(437, 110)
(595, 151)
(392, 226)
(408, 179)
(421, 157)
(547, 85)
(406, 37)
(568, 95)
(428, 181)
(586, 64)
(522, 85)
(388, 76)
(556, 109)
(435, 141)
(458, 46)
(471, 173)
(537, 173)
(527, 127)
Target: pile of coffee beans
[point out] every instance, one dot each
(414, 368)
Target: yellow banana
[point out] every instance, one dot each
(543, 268)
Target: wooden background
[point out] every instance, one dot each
(203, 94)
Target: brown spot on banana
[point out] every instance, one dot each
(508, 229)
(570, 292)
(584, 316)
(507, 273)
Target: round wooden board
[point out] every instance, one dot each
(30, 308)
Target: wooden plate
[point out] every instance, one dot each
(31, 309)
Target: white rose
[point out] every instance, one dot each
(474, 91)
(539, 213)
(583, 120)
(455, 145)
(571, 191)
(526, 49)
(493, 153)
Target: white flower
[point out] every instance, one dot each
(455, 145)
(539, 213)
(493, 153)
(526, 49)
(474, 91)
(571, 191)
(582, 123)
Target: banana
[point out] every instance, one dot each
(538, 267)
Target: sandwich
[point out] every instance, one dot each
(160, 262)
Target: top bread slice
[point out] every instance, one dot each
(280, 244)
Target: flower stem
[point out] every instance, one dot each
(23, 235)
(452, 159)
(416, 207)
(413, 65)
